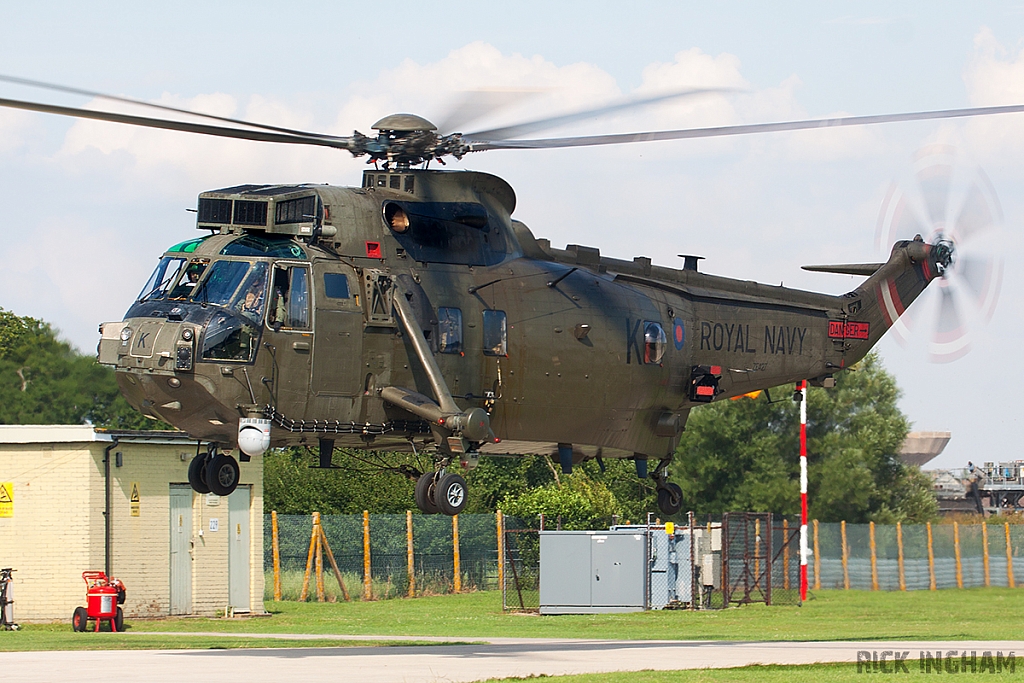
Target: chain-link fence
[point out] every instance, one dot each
(433, 558)
(915, 557)
(851, 556)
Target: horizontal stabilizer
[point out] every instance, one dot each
(865, 269)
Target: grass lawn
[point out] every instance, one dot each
(981, 614)
(819, 673)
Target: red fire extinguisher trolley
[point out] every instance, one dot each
(103, 596)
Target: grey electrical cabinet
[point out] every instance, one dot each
(591, 572)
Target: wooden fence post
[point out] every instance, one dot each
(309, 558)
(931, 558)
(1010, 581)
(410, 556)
(984, 552)
(334, 565)
(457, 587)
(899, 556)
(874, 556)
(499, 520)
(367, 577)
(956, 553)
(817, 559)
(277, 555)
(319, 561)
(846, 570)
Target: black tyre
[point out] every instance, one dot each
(80, 619)
(670, 498)
(222, 474)
(119, 620)
(425, 494)
(450, 494)
(197, 474)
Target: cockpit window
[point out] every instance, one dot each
(189, 279)
(220, 284)
(252, 295)
(188, 246)
(160, 281)
(255, 245)
(229, 338)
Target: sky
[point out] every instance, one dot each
(88, 207)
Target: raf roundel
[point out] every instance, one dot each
(678, 333)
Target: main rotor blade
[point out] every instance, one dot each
(506, 132)
(473, 105)
(166, 124)
(162, 107)
(744, 129)
(950, 340)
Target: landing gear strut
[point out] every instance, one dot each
(213, 472)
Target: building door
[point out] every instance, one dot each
(181, 549)
(238, 549)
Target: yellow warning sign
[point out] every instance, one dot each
(7, 499)
(135, 499)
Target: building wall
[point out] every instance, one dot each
(57, 530)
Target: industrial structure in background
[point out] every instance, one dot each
(989, 488)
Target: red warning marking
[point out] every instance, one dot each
(373, 250)
(837, 329)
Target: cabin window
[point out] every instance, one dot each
(449, 330)
(410, 183)
(160, 281)
(336, 286)
(396, 182)
(495, 334)
(219, 285)
(655, 341)
(289, 304)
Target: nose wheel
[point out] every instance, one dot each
(214, 472)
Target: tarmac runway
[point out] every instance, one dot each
(497, 657)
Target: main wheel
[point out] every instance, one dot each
(450, 494)
(425, 494)
(119, 620)
(80, 619)
(222, 474)
(197, 474)
(670, 498)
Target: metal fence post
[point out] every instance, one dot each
(410, 559)
(817, 559)
(874, 556)
(499, 521)
(899, 556)
(846, 571)
(931, 558)
(457, 584)
(956, 553)
(1010, 581)
(277, 555)
(367, 577)
(984, 552)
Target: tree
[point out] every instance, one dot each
(44, 380)
(579, 501)
(743, 455)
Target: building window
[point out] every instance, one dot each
(495, 334)
(449, 330)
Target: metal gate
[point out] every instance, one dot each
(760, 559)
(181, 549)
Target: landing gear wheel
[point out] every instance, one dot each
(80, 619)
(670, 498)
(425, 494)
(119, 620)
(450, 494)
(197, 474)
(222, 474)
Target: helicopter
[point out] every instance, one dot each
(414, 313)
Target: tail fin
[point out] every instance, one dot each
(875, 306)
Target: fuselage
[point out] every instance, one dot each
(286, 311)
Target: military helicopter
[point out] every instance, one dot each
(413, 312)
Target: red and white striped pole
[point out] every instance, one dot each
(803, 490)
